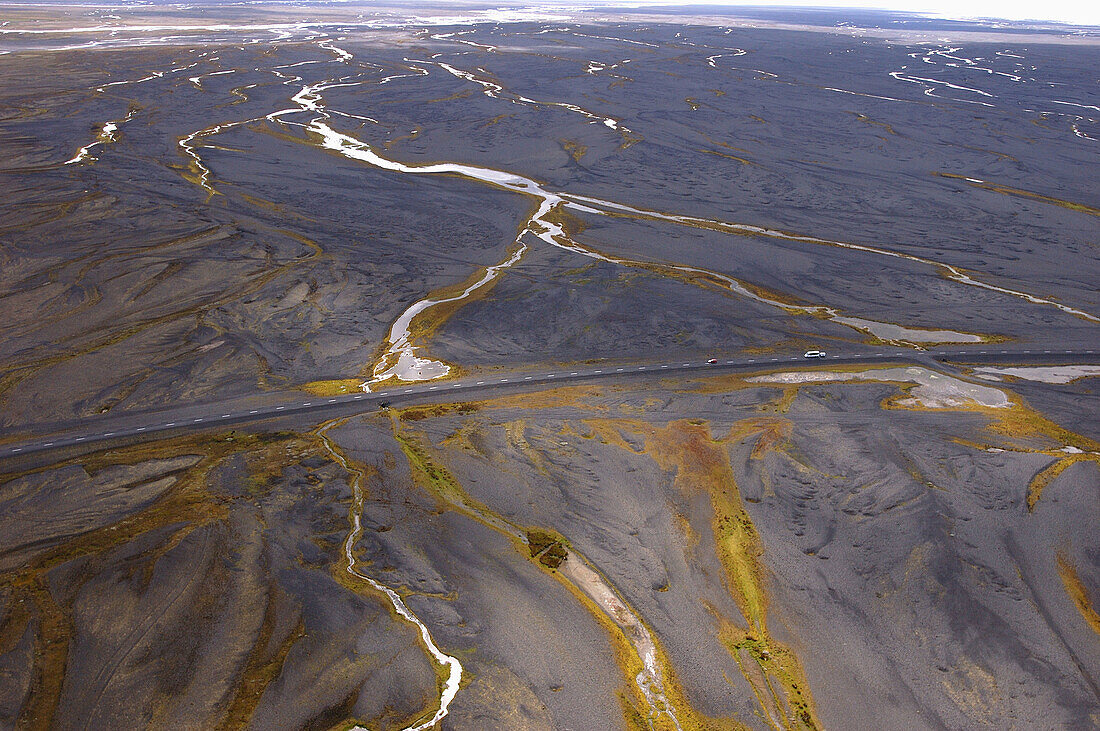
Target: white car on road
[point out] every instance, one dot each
(814, 354)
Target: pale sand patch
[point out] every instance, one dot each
(933, 390)
(592, 584)
(892, 332)
(1045, 374)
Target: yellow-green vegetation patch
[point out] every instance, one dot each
(726, 155)
(1017, 192)
(334, 387)
(1022, 422)
(1048, 474)
(262, 667)
(498, 119)
(699, 462)
(575, 149)
(439, 481)
(867, 120)
(1015, 421)
(1077, 591)
(546, 548)
(776, 677)
(1029, 431)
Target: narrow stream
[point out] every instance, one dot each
(106, 136)
(408, 366)
(574, 568)
(950, 271)
(494, 90)
(454, 667)
(400, 358)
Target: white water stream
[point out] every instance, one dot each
(950, 271)
(409, 367)
(454, 667)
(106, 136)
(496, 91)
(735, 52)
(400, 359)
(574, 568)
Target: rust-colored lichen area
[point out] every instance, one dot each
(700, 462)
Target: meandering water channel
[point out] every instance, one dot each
(452, 665)
(401, 360)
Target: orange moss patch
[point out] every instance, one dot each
(580, 397)
(429, 411)
(699, 462)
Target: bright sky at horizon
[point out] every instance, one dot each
(1078, 12)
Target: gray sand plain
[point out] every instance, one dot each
(804, 554)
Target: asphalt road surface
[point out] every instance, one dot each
(129, 426)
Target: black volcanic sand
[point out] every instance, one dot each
(127, 285)
(903, 564)
(194, 589)
(910, 572)
(201, 579)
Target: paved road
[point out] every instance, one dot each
(202, 416)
